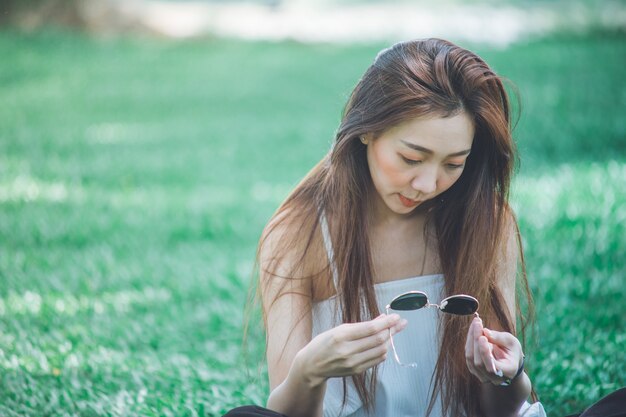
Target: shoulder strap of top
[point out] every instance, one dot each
(328, 244)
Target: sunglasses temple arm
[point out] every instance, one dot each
(395, 353)
(393, 347)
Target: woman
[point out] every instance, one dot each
(412, 196)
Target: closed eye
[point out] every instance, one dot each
(410, 161)
(455, 166)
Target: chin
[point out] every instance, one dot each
(404, 210)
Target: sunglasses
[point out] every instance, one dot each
(460, 305)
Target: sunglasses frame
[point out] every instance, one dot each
(440, 307)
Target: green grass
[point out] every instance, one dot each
(136, 176)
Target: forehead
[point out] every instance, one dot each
(439, 134)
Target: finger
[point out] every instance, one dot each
(477, 332)
(469, 346)
(363, 366)
(356, 331)
(494, 336)
(508, 354)
(486, 352)
(484, 366)
(488, 361)
(370, 342)
(469, 341)
(357, 363)
(506, 347)
(401, 325)
(368, 358)
(378, 339)
(503, 339)
(481, 369)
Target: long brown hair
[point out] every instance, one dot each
(472, 219)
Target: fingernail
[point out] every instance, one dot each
(495, 370)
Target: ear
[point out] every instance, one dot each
(367, 138)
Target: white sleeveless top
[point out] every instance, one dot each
(400, 391)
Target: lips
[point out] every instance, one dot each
(407, 202)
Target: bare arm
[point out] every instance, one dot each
(489, 350)
(496, 400)
(345, 350)
(294, 391)
(287, 305)
(299, 366)
(505, 401)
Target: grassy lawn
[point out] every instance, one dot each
(136, 176)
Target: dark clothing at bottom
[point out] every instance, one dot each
(613, 405)
(252, 411)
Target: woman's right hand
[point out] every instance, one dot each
(348, 349)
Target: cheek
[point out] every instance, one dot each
(448, 181)
(387, 170)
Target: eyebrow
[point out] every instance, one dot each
(428, 151)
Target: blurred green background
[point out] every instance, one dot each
(136, 174)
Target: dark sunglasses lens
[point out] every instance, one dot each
(461, 305)
(409, 302)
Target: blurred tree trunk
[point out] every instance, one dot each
(90, 15)
(31, 14)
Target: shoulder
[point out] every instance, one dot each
(291, 251)
(288, 236)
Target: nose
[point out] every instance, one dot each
(425, 181)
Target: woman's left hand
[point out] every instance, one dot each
(488, 351)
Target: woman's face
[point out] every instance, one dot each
(418, 159)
